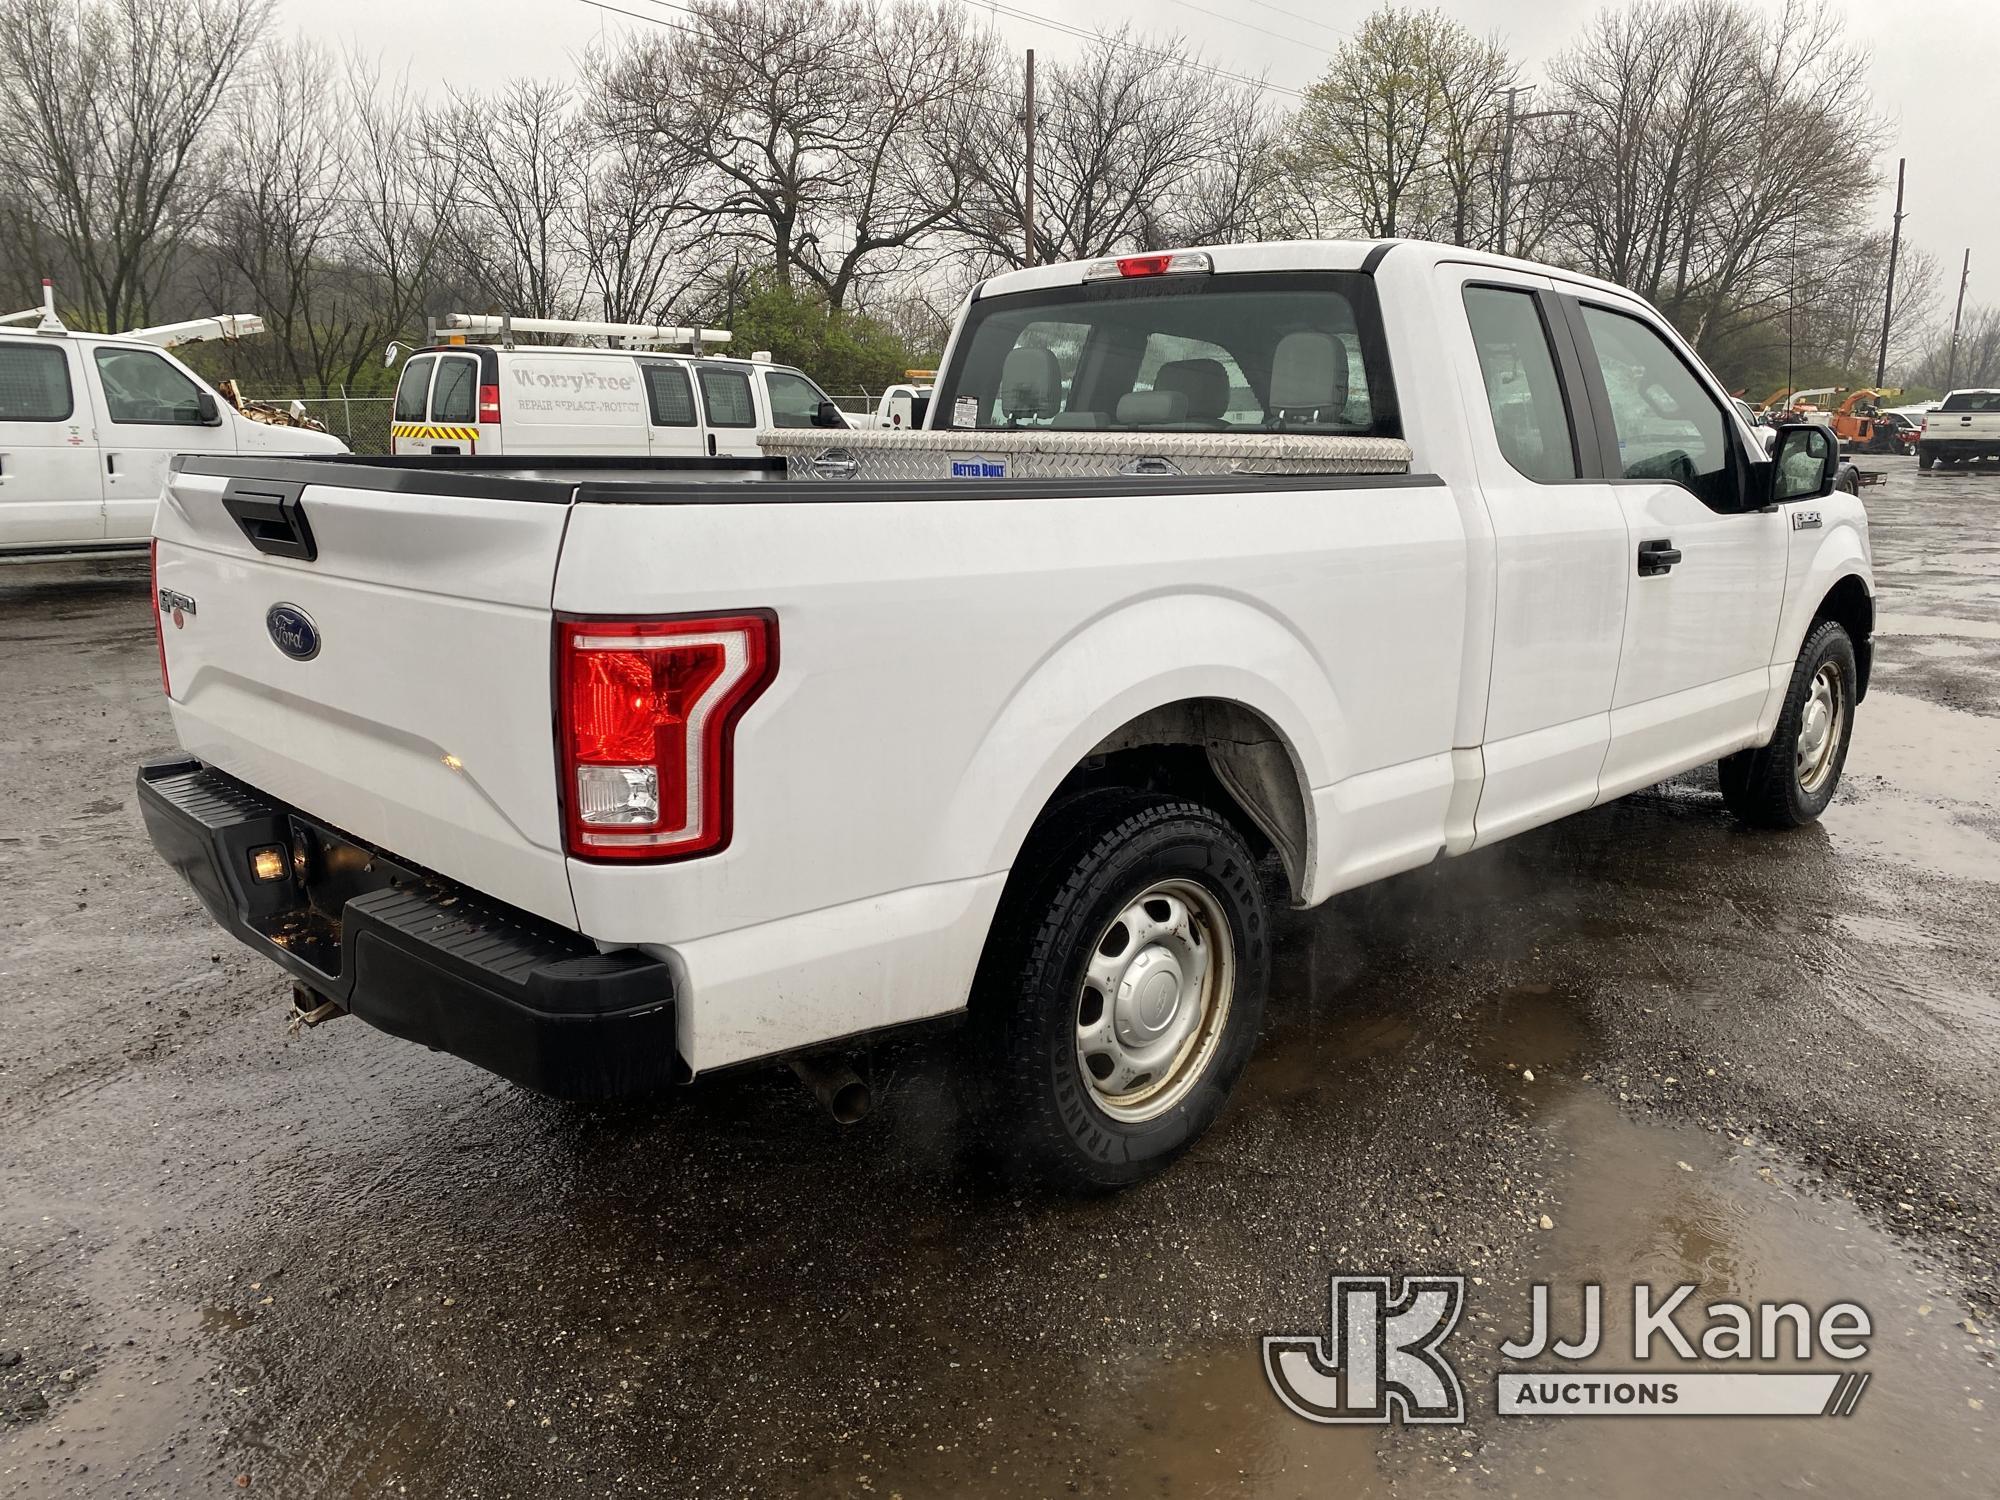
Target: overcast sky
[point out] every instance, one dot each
(1934, 66)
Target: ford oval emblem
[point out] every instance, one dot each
(292, 631)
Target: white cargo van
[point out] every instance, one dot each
(89, 423)
(495, 398)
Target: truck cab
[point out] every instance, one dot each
(89, 424)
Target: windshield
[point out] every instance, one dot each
(1277, 352)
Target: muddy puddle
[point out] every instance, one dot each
(1630, 1201)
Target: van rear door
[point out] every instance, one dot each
(50, 490)
(453, 419)
(373, 647)
(410, 415)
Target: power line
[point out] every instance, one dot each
(1249, 26)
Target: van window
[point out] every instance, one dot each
(455, 396)
(141, 387)
(413, 388)
(1282, 351)
(670, 395)
(726, 394)
(34, 384)
(794, 399)
(1523, 391)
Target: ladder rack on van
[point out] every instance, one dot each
(231, 326)
(504, 327)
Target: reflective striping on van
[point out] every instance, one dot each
(427, 430)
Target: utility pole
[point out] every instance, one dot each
(1028, 195)
(1507, 167)
(1951, 359)
(1889, 297)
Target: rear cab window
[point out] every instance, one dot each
(1971, 401)
(34, 383)
(1290, 351)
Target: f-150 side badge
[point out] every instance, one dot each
(1805, 520)
(176, 606)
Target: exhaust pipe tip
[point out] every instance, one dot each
(838, 1088)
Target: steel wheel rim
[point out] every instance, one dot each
(1820, 724)
(1154, 1000)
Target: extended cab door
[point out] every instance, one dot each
(50, 494)
(150, 408)
(1706, 570)
(1558, 542)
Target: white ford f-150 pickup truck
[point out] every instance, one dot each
(1961, 429)
(1215, 576)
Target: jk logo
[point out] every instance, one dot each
(1382, 1360)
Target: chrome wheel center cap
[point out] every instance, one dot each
(1149, 996)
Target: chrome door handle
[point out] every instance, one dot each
(1152, 464)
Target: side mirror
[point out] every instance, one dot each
(390, 355)
(829, 415)
(207, 410)
(1805, 460)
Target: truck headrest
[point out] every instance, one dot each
(1030, 383)
(1151, 408)
(1309, 373)
(1204, 382)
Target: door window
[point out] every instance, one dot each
(412, 389)
(34, 384)
(669, 395)
(726, 394)
(141, 387)
(1530, 418)
(794, 399)
(1669, 428)
(455, 396)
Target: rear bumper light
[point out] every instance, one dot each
(648, 712)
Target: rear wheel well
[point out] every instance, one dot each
(1848, 602)
(1220, 754)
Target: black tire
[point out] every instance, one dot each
(1083, 870)
(1925, 456)
(1766, 787)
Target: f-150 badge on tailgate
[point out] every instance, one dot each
(292, 631)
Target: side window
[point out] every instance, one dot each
(1523, 391)
(794, 399)
(669, 395)
(140, 387)
(413, 387)
(34, 384)
(455, 397)
(1669, 427)
(726, 394)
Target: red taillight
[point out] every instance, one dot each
(489, 403)
(159, 622)
(649, 711)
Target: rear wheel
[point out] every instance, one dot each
(1925, 456)
(1789, 782)
(1123, 988)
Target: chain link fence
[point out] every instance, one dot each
(362, 422)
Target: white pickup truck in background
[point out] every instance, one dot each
(1961, 429)
(89, 423)
(1284, 566)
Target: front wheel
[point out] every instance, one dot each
(1789, 782)
(1123, 989)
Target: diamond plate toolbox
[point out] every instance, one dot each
(883, 455)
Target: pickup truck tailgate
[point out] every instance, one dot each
(412, 707)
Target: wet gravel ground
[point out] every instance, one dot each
(331, 1264)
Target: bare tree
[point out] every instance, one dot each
(823, 132)
(105, 106)
(522, 163)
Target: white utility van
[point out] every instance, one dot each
(494, 398)
(89, 423)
